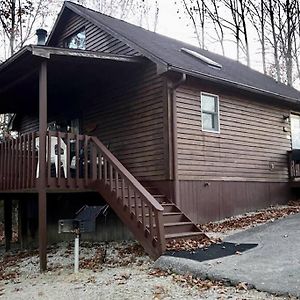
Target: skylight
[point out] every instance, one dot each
(203, 58)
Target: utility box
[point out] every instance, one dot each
(87, 226)
(85, 220)
(68, 225)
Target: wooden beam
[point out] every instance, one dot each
(7, 222)
(172, 90)
(22, 222)
(42, 166)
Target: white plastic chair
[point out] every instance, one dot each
(53, 154)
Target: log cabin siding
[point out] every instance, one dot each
(25, 124)
(96, 38)
(129, 118)
(251, 140)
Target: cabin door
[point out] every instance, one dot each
(295, 130)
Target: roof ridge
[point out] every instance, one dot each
(158, 44)
(186, 44)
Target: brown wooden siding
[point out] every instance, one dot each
(26, 124)
(129, 119)
(96, 38)
(250, 142)
(205, 201)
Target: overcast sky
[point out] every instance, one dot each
(170, 24)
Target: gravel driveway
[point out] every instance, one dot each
(126, 273)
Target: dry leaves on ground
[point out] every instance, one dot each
(191, 244)
(245, 221)
(94, 263)
(10, 263)
(189, 280)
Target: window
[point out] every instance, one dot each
(76, 41)
(295, 131)
(210, 112)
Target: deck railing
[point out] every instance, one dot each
(76, 161)
(294, 164)
(18, 163)
(67, 167)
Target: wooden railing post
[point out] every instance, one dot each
(160, 231)
(143, 211)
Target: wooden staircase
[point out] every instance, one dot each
(148, 214)
(176, 224)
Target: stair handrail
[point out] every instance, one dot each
(153, 238)
(127, 174)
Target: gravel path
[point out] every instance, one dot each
(108, 271)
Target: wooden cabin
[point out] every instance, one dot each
(169, 135)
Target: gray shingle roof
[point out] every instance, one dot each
(166, 51)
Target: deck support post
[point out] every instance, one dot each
(7, 222)
(42, 166)
(22, 222)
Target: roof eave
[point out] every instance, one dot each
(14, 57)
(46, 52)
(230, 83)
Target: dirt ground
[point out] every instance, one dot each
(120, 271)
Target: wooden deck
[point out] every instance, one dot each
(80, 163)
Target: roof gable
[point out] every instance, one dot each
(97, 39)
(167, 53)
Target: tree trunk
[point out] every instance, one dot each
(13, 24)
(263, 45)
(275, 44)
(289, 61)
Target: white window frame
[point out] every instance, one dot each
(68, 39)
(218, 112)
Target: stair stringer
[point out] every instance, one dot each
(122, 211)
(168, 200)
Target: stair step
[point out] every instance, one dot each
(172, 213)
(152, 189)
(177, 216)
(158, 196)
(178, 224)
(170, 218)
(179, 227)
(169, 207)
(183, 235)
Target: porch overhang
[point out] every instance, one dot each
(69, 73)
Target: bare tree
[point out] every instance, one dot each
(192, 9)
(216, 19)
(287, 33)
(17, 19)
(271, 9)
(257, 15)
(142, 12)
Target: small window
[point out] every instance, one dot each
(210, 112)
(76, 41)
